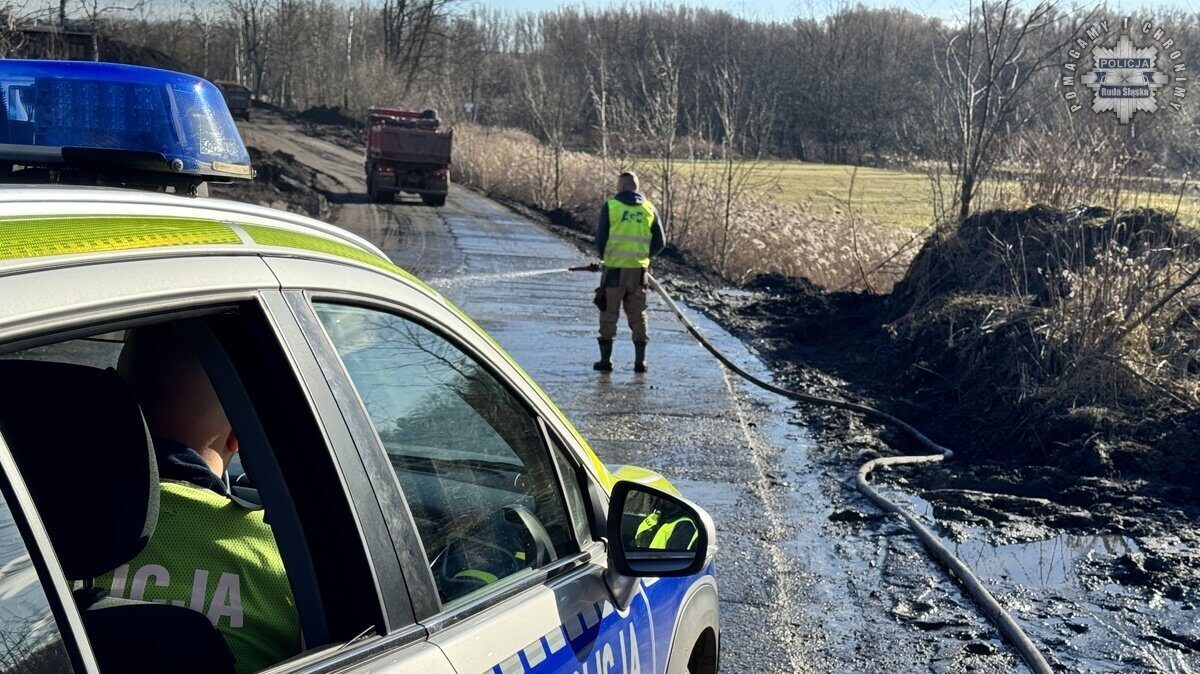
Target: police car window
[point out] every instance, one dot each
(29, 639)
(218, 547)
(572, 487)
(470, 458)
(99, 351)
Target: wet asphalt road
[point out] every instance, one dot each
(799, 592)
(798, 595)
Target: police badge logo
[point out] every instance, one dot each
(1125, 78)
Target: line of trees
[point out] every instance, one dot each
(857, 85)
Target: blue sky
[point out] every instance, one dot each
(783, 10)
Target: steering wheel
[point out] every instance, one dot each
(499, 545)
(539, 547)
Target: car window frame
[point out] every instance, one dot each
(131, 312)
(391, 583)
(302, 301)
(579, 477)
(67, 618)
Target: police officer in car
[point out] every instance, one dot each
(628, 233)
(210, 551)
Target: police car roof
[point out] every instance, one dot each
(42, 224)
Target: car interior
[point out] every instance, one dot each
(471, 460)
(85, 454)
(80, 440)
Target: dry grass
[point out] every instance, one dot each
(838, 250)
(1030, 315)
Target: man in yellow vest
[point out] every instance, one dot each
(211, 551)
(628, 233)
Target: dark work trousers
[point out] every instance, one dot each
(624, 288)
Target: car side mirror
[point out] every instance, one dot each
(652, 533)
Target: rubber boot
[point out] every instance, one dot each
(639, 356)
(605, 362)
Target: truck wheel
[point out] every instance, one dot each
(434, 199)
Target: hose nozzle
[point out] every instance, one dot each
(595, 266)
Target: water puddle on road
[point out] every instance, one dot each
(1064, 592)
(712, 496)
(1046, 563)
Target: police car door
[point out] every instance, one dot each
(504, 572)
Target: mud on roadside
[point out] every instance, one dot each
(1099, 568)
(836, 344)
(279, 182)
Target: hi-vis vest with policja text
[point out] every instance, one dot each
(629, 228)
(216, 557)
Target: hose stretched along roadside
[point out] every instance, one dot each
(984, 599)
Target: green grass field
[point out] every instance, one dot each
(898, 197)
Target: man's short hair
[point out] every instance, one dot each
(169, 381)
(628, 180)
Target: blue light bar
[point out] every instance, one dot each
(59, 112)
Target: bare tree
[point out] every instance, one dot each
(745, 119)
(985, 67)
(13, 17)
(100, 13)
(254, 27)
(549, 98)
(600, 76)
(410, 28)
(658, 81)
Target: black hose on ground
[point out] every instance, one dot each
(980, 594)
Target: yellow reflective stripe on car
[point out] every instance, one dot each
(29, 237)
(286, 238)
(643, 476)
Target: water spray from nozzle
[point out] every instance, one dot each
(486, 278)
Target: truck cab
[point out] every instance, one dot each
(407, 151)
(238, 98)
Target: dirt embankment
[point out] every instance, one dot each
(282, 180)
(1056, 352)
(279, 182)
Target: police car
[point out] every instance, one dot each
(426, 507)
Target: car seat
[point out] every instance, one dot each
(83, 449)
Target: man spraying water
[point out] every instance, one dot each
(629, 232)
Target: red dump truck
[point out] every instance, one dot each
(407, 151)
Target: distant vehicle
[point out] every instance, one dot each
(407, 152)
(238, 98)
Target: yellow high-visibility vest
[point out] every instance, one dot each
(654, 534)
(629, 229)
(215, 557)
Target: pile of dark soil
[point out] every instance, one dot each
(280, 182)
(333, 125)
(119, 51)
(971, 319)
(329, 116)
(960, 348)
